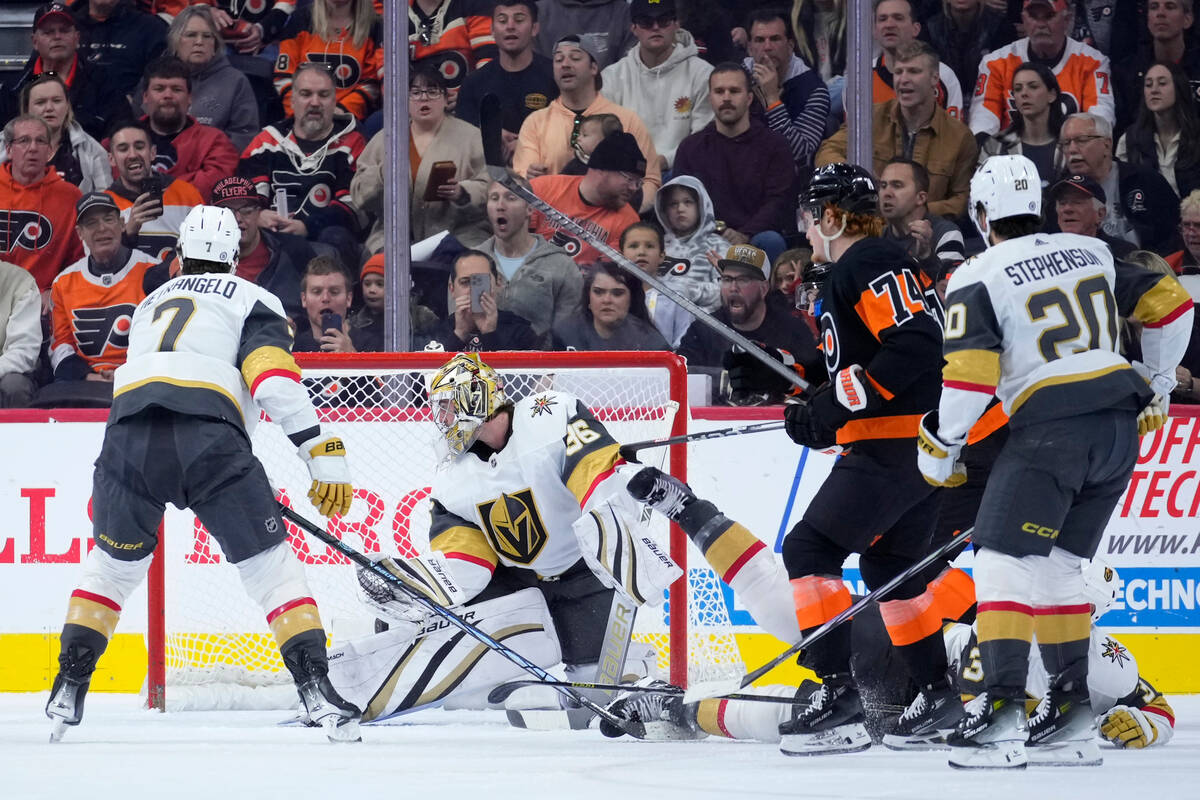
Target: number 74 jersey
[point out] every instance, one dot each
(1035, 320)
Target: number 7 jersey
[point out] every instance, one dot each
(1035, 320)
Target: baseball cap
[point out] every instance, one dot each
(374, 266)
(236, 189)
(584, 43)
(50, 11)
(95, 201)
(618, 152)
(745, 257)
(1080, 183)
(652, 8)
(1057, 5)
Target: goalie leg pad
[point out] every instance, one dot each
(410, 667)
(621, 552)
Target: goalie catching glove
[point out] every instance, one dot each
(940, 462)
(1126, 726)
(815, 424)
(331, 491)
(427, 576)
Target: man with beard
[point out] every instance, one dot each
(745, 308)
(309, 160)
(186, 149)
(935, 242)
(152, 204)
(521, 78)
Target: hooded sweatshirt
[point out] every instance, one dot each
(546, 289)
(672, 98)
(604, 23)
(37, 225)
(690, 273)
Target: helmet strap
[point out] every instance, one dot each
(828, 240)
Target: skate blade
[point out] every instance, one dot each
(842, 739)
(1065, 754)
(340, 729)
(936, 741)
(60, 727)
(993, 755)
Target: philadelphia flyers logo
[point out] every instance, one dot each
(159, 244)
(253, 8)
(25, 230)
(307, 191)
(451, 64)
(98, 328)
(676, 266)
(345, 69)
(829, 343)
(568, 243)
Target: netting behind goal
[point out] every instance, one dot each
(213, 648)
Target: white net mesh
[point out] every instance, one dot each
(218, 650)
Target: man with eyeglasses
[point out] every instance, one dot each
(37, 207)
(1082, 72)
(663, 79)
(745, 307)
(1141, 207)
(94, 101)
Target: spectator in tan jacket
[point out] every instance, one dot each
(944, 146)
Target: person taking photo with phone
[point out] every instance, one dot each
(476, 322)
(325, 295)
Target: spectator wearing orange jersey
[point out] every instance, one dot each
(453, 37)
(343, 36)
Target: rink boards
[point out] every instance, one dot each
(762, 480)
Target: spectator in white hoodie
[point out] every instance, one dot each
(686, 214)
(663, 79)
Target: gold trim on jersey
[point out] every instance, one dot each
(90, 614)
(295, 621)
(514, 526)
(468, 540)
(708, 717)
(182, 384)
(265, 359)
(1061, 628)
(1160, 300)
(972, 366)
(590, 467)
(1059, 380)
(731, 545)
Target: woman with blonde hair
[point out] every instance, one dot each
(345, 35)
(77, 157)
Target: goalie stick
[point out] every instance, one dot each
(701, 691)
(490, 127)
(628, 451)
(633, 728)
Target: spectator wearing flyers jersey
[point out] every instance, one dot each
(309, 160)
(453, 37)
(599, 200)
(346, 38)
(895, 28)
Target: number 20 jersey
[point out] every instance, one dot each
(1035, 319)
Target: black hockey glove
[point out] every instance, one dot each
(815, 424)
(748, 375)
(805, 424)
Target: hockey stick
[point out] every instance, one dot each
(707, 689)
(628, 451)
(631, 727)
(490, 127)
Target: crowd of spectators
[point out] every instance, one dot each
(680, 132)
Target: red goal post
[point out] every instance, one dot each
(638, 395)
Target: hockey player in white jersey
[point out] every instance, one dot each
(531, 531)
(207, 350)
(1034, 320)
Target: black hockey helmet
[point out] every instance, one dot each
(847, 186)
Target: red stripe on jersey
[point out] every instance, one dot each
(1160, 712)
(982, 388)
(721, 719)
(97, 598)
(282, 373)
(1183, 307)
(741, 560)
(1080, 608)
(1005, 605)
(288, 606)
(470, 559)
(599, 479)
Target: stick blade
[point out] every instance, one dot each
(708, 689)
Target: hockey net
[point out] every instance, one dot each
(209, 643)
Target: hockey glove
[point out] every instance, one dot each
(749, 376)
(1126, 726)
(331, 491)
(1154, 415)
(816, 423)
(940, 462)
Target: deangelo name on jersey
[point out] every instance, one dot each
(196, 284)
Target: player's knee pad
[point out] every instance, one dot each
(112, 578)
(423, 664)
(1059, 580)
(806, 551)
(999, 576)
(273, 577)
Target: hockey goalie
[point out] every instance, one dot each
(533, 539)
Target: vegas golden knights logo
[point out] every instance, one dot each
(514, 526)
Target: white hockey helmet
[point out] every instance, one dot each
(463, 394)
(1006, 186)
(210, 234)
(1100, 582)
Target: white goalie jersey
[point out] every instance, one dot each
(518, 506)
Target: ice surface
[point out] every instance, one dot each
(124, 753)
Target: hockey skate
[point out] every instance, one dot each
(663, 717)
(928, 719)
(664, 493)
(65, 706)
(1062, 731)
(320, 704)
(832, 722)
(990, 736)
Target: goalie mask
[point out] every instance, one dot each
(464, 394)
(1100, 582)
